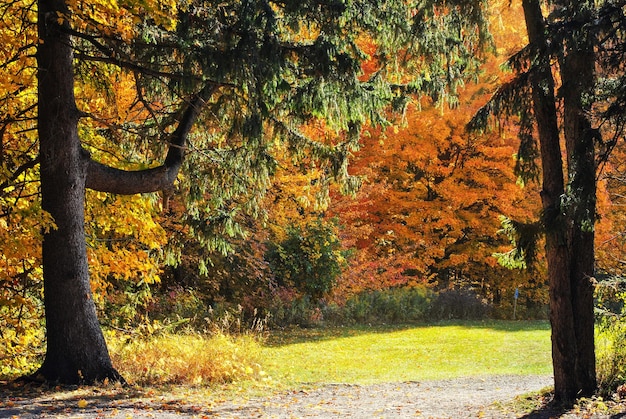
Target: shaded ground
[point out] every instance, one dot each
(487, 397)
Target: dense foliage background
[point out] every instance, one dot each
(420, 239)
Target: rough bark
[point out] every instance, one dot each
(569, 247)
(76, 350)
(578, 78)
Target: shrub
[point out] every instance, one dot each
(611, 355)
(288, 308)
(309, 259)
(611, 334)
(458, 304)
(21, 350)
(393, 305)
(22, 336)
(190, 358)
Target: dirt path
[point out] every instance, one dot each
(458, 398)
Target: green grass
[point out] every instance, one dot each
(362, 355)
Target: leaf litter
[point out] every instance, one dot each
(490, 397)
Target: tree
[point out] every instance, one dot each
(309, 259)
(557, 87)
(223, 84)
(428, 210)
(21, 219)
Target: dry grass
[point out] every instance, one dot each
(191, 359)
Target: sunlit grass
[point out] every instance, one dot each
(387, 354)
(358, 354)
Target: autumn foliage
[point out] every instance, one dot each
(426, 217)
(426, 213)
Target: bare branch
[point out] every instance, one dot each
(23, 168)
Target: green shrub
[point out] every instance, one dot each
(393, 305)
(309, 259)
(611, 355)
(288, 308)
(459, 304)
(611, 334)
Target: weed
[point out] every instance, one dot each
(611, 356)
(610, 335)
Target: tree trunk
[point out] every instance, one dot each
(569, 246)
(578, 78)
(76, 349)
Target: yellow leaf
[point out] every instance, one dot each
(82, 403)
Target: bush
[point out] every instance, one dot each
(611, 355)
(393, 305)
(190, 358)
(611, 334)
(288, 308)
(309, 259)
(22, 334)
(458, 304)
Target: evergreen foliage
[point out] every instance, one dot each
(271, 69)
(605, 26)
(231, 86)
(525, 240)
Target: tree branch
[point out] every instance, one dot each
(23, 168)
(104, 178)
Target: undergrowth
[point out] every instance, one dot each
(610, 336)
(186, 358)
(611, 357)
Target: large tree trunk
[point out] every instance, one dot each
(569, 245)
(578, 78)
(76, 349)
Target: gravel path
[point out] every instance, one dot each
(457, 398)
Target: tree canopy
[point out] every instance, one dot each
(137, 133)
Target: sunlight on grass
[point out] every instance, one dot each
(448, 350)
(358, 354)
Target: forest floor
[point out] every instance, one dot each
(488, 397)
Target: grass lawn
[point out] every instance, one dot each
(364, 355)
